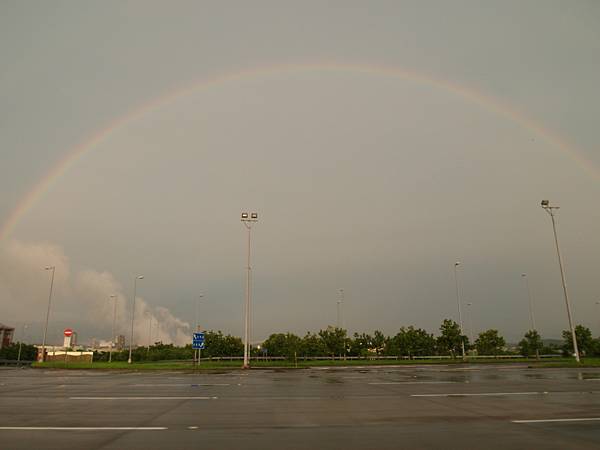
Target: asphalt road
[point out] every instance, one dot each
(432, 407)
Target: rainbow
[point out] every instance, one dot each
(488, 102)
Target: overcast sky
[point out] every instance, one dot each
(364, 180)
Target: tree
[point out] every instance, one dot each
(360, 345)
(379, 341)
(585, 342)
(490, 343)
(216, 344)
(411, 342)
(281, 344)
(450, 340)
(312, 345)
(28, 352)
(335, 340)
(531, 344)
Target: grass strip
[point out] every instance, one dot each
(212, 365)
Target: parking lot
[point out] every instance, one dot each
(372, 407)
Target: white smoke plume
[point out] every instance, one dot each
(81, 299)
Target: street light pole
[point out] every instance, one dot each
(462, 341)
(112, 339)
(139, 277)
(149, 333)
(340, 309)
(524, 276)
(550, 210)
(52, 268)
(248, 220)
(470, 311)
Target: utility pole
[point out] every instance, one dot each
(248, 220)
(462, 341)
(139, 277)
(550, 210)
(52, 268)
(340, 309)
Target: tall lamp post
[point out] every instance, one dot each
(248, 220)
(462, 341)
(531, 318)
(112, 339)
(340, 309)
(149, 332)
(550, 210)
(139, 277)
(52, 268)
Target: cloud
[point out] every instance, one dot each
(81, 299)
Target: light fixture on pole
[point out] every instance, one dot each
(139, 277)
(550, 210)
(112, 339)
(462, 341)
(52, 268)
(248, 220)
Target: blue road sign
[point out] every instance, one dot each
(198, 341)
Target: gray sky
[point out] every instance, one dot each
(365, 181)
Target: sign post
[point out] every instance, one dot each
(198, 344)
(67, 342)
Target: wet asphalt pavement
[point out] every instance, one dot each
(431, 407)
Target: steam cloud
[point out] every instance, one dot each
(81, 299)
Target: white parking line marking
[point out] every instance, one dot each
(581, 419)
(143, 398)
(416, 382)
(179, 384)
(86, 428)
(482, 394)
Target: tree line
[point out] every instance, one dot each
(410, 342)
(11, 352)
(407, 342)
(332, 341)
